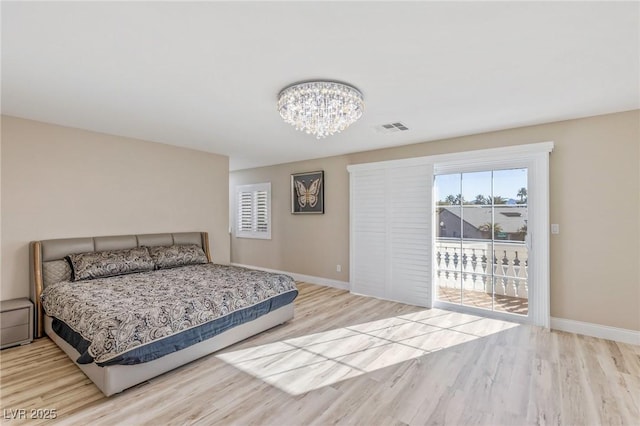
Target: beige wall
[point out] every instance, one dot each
(62, 182)
(307, 244)
(595, 197)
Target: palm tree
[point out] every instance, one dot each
(453, 199)
(522, 193)
(521, 235)
(480, 199)
(487, 227)
(497, 200)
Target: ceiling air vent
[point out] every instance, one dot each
(392, 127)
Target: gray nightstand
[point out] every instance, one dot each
(16, 322)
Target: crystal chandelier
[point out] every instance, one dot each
(320, 108)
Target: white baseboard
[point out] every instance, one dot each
(343, 285)
(596, 330)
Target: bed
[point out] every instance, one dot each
(127, 320)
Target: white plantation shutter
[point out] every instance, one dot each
(245, 211)
(253, 211)
(261, 203)
(368, 230)
(410, 244)
(391, 242)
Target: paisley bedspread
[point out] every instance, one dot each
(118, 315)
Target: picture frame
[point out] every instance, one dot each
(307, 193)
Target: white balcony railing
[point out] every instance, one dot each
(478, 265)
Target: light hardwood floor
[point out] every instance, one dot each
(354, 360)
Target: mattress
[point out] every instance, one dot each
(137, 318)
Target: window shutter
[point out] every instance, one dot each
(262, 211)
(368, 222)
(245, 211)
(410, 243)
(391, 219)
(253, 211)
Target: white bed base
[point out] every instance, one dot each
(116, 378)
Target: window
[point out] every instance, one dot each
(486, 267)
(253, 211)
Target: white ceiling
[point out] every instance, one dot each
(206, 75)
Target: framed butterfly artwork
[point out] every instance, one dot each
(307, 193)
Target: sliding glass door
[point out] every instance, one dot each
(481, 245)
(465, 231)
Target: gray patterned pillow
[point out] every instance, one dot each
(177, 255)
(100, 264)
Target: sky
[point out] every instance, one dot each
(506, 183)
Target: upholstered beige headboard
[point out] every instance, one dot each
(48, 252)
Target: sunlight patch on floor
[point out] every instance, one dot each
(301, 364)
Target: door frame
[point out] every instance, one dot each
(534, 157)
